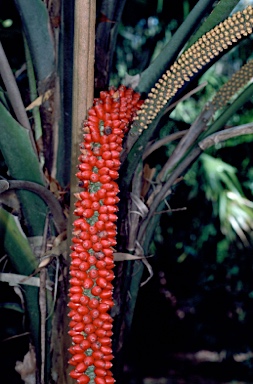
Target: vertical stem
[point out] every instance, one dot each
(83, 81)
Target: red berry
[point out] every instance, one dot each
(101, 193)
(92, 338)
(98, 322)
(93, 273)
(98, 355)
(103, 171)
(101, 282)
(79, 327)
(105, 340)
(103, 217)
(99, 380)
(87, 319)
(81, 367)
(99, 363)
(94, 239)
(84, 266)
(86, 203)
(96, 290)
(100, 372)
(75, 349)
(77, 339)
(77, 318)
(106, 294)
(105, 179)
(88, 360)
(109, 380)
(88, 283)
(94, 178)
(97, 246)
(103, 307)
(73, 305)
(106, 318)
(93, 230)
(74, 374)
(78, 357)
(75, 298)
(85, 344)
(93, 303)
(95, 313)
(84, 300)
(83, 310)
(106, 155)
(83, 379)
(101, 264)
(92, 260)
(87, 244)
(75, 289)
(78, 274)
(106, 349)
(100, 332)
(89, 328)
(96, 346)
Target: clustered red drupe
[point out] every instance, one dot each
(94, 235)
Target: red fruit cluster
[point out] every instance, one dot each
(94, 235)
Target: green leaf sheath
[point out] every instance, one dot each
(23, 164)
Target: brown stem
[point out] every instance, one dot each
(83, 83)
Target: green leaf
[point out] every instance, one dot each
(36, 24)
(12, 306)
(220, 12)
(3, 98)
(23, 164)
(24, 262)
(169, 54)
(16, 244)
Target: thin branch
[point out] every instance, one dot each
(229, 133)
(176, 135)
(163, 141)
(245, 129)
(45, 194)
(199, 125)
(165, 190)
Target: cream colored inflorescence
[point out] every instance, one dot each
(229, 89)
(191, 62)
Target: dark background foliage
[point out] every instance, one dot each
(201, 294)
